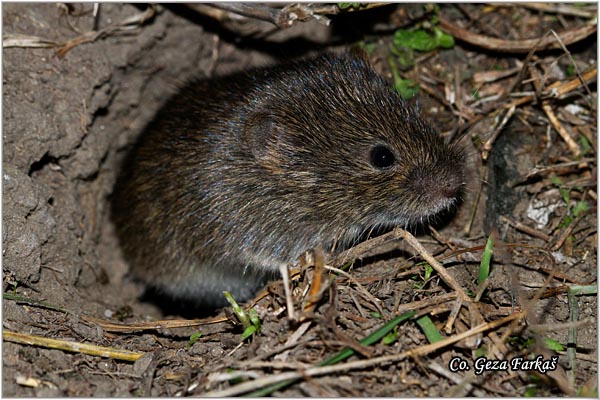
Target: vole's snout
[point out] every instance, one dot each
(450, 188)
(435, 188)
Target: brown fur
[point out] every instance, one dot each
(238, 175)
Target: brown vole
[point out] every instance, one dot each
(241, 174)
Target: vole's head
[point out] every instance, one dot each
(341, 143)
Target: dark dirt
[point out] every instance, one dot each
(68, 122)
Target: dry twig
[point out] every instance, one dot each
(286, 17)
(528, 230)
(515, 46)
(84, 348)
(555, 8)
(487, 146)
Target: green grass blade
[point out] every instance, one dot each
(486, 258)
(429, 329)
(578, 290)
(369, 340)
(21, 299)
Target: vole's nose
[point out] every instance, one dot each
(434, 184)
(450, 189)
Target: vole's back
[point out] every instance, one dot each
(237, 176)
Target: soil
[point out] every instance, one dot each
(69, 119)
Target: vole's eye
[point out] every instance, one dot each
(382, 157)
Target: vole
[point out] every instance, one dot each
(239, 175)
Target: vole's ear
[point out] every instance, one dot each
(261, 133)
